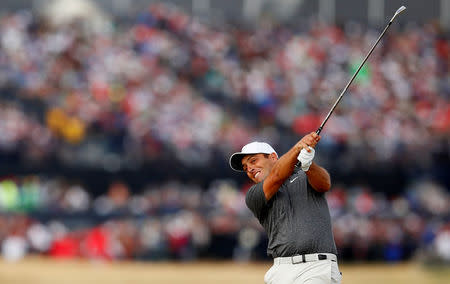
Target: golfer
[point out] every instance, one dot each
(290, 204)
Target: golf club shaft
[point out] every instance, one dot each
(401, 9)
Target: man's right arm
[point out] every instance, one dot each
(285, 165)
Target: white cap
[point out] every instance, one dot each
(250, 148)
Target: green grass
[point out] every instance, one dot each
(47, 271)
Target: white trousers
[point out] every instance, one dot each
(314, 272)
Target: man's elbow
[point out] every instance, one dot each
(325, 186)
(326, 183)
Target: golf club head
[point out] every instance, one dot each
(399, 10)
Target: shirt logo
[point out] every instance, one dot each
(292, 180)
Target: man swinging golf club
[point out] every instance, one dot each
(291, 206)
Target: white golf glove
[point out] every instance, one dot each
(306, 158)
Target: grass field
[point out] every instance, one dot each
(40, 271)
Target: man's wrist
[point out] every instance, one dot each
(306, 158)
(305, 167)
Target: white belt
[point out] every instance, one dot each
(304, 258)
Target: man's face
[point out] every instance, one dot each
(258, 166)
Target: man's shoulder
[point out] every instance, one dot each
(255, 198)
(256, 186)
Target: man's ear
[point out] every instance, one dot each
(273, 157)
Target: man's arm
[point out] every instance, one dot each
(318, 178)
(285, 165)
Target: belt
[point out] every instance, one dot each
(304, 258)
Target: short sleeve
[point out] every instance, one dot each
(256, 200)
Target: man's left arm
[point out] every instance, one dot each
(318, 178)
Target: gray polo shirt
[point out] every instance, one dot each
(296, 218)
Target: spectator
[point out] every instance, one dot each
(172, 88)
(212, 222)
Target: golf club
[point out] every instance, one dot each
(399, 10)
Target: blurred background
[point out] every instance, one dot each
(117, 119)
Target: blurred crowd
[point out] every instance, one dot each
(170, 84)
(172, 87)
(177, 221)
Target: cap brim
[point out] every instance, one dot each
(236, 161)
